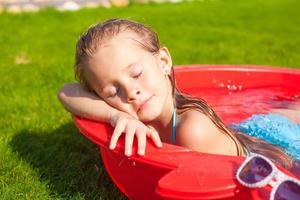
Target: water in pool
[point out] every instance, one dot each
(248, 110)
(234, 104)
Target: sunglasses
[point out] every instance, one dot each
(258, 171)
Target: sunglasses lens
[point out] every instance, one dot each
(255, 170)
(287, 190)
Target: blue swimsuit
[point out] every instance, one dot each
(275, 129)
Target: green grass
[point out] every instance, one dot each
(42, 155)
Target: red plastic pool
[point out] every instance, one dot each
(175, 172)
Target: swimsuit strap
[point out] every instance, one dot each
(174, 126)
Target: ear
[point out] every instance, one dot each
(165, 60)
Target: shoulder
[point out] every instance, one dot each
(193, 119)
(193, 124)
(197, 131)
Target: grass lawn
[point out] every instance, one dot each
(42, 155)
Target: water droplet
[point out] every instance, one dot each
(240, 87)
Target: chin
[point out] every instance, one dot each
(148, 115)
(146, 118)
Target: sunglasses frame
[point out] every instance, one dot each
(276, 173)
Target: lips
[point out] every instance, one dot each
(144, 104)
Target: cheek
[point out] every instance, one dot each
(155, 79)
(160, 88)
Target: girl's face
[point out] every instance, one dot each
(131, 79)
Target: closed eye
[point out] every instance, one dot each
(137, 75)
(136, 71)
(115, 93)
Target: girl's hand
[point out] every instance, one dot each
(125, 123)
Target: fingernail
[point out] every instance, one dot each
(111, 147)
(128, 153)
(141, 153)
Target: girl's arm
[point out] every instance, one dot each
(79, 101)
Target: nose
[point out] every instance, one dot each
(133, 94)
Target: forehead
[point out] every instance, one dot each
(114, 55)
(122, 36)
(120, 48)
(121, 43)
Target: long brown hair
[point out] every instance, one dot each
(90, 41)
(242, 141)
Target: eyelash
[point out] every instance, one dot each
(138, 75)
(117, 91)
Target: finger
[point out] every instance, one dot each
(142, 139)
(155, 137)
(116, 134)
(129, 140)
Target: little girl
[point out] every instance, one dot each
(126, 79)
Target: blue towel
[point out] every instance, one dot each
(275, 129)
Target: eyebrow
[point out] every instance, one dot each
(129, 66)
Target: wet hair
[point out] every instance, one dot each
(96, 35)
(243, 141)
